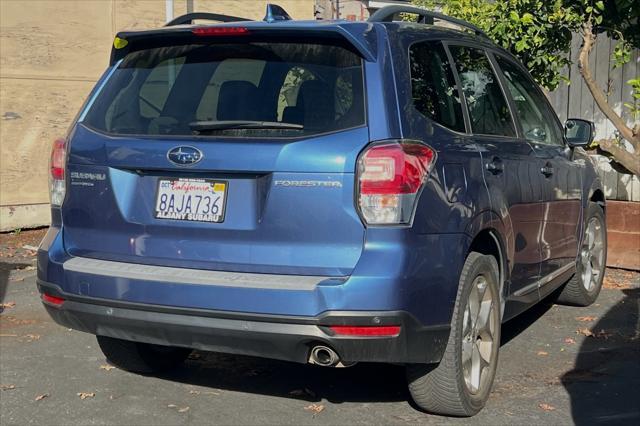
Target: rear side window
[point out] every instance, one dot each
(488, 108)
(252, 89)
(433, 87)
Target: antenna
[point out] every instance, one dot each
(276, 13)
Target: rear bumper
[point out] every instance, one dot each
(287, 338)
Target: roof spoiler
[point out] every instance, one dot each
(274, 13)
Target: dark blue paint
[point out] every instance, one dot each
(316, 230)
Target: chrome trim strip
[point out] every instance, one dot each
(134, 271)
(545, 280)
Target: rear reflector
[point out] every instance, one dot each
(52, 300)
(383, 330)
(220, 31)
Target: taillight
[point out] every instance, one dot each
(220, 31)
(390, 175)
(57, 166)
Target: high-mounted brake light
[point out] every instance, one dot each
(57, 166)
(220, 31)
(366, 331)
(390, 175)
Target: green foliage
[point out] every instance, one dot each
(539, 32)
(634, 108)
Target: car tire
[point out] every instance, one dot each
(585, 285)
(143, 358)
(460, 384)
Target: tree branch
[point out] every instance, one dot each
(629, 160)
(588, 39)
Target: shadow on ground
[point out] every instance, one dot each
(5, 271)
(605, 381)
(361, 383)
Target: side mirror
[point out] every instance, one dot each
(579, 132)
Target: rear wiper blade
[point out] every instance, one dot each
(210, 125)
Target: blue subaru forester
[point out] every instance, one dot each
(322, 192)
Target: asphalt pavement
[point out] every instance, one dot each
(558, 365)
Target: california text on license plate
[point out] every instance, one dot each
(201, 200)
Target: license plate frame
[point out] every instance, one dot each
(184, 216)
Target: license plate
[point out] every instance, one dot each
(195, 200)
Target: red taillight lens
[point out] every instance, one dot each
(220, 31)
(57, 166)
(382, 330)
(52, 300)
(398, 168)
(58, 158)
(389, 176)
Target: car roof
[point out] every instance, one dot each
(357, 33)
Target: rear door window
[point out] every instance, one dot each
(488, 108)
(433, 87)
(253, 89)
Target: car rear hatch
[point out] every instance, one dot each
(221, 151)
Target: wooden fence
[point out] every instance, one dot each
(575, 101)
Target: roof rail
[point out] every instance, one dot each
(190, 17)
(386, 14)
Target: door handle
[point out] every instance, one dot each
(495, 166)
(547, 170)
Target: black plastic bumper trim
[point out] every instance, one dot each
(287, 338)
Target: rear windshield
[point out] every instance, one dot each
(246, 90)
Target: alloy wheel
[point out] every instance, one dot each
(592, 254)
(478, 335)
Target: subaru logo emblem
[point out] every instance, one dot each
(184, 155)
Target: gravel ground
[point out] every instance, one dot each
(558, 365)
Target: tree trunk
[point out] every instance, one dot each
(627, 159)
(631, 161)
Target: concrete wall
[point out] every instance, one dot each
(51, 54)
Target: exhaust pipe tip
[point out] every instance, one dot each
(324, 356)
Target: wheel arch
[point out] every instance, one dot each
(489, 236)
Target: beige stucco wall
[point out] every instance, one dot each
(51, 54)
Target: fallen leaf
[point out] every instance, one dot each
(7, 305)
(106, 367)
(546, 407)
(602, 334)
(183, 410)
(315, 408)
(570, 340)
(584, 332)
(586, 318)
(32, 337)
(85, 395)
(543, 353)
(7, 387)
(41, 397)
